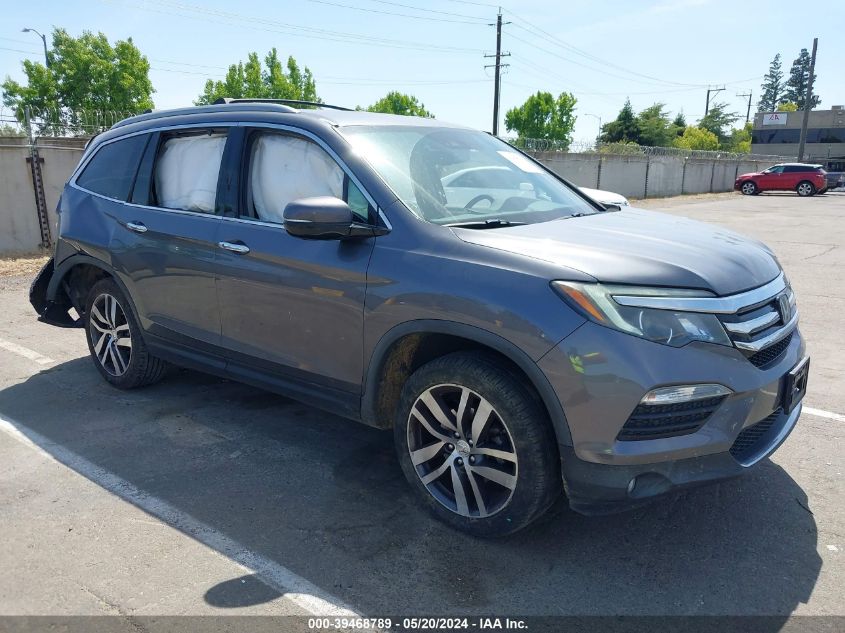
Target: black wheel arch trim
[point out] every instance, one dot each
(369, 398)
(61, 271)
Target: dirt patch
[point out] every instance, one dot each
(23, 265)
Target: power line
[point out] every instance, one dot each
(403, 15)
(415, 8)
(577, 63)
(255, 23)
(574, 49)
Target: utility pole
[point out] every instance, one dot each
(808, 102)
(498, 66)
(714, 91)
(748, 111)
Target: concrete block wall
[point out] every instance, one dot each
(19, 230)
(625, 175)
(580, 169)
(665, 176)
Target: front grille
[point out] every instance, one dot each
(747, 443)
(752, 326)
(770, 353)
(654, 421)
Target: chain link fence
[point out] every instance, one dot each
(632, 149)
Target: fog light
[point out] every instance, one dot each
(683, 393)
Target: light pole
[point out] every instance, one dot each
(596, 116)
(43, 41)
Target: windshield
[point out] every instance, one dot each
(453, 176)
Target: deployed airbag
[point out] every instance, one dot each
(187, 170)
(284, 169)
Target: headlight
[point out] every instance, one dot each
(595, 301)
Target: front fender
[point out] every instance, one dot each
(484, 338)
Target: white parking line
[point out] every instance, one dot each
(824, 414)
(20, 350)
(295, 588)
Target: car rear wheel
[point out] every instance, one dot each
(476, 445)
(805, 189)
(748, 188)
(114, 339)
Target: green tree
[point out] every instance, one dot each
(544, 117)
(623, 129)
(718, 120)
(772, 88)
(799, 78)
(90, 81)
(679, 123)
(740, 139)
(251, 80)
(787, 106)
(395, 102)
(697, 138)
(10, 130)
(656, 130)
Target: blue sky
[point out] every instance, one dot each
(602, 50)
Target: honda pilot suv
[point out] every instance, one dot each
(518, 344)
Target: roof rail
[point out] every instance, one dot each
(192, 110)
(226, 100)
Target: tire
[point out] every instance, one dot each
(516, 441)
(749, 188)
(114, 339)
(805, 189)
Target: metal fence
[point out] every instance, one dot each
(632, 149)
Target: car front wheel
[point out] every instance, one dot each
(748, 188)
(114, 339)
(476, 445)
(805, 189)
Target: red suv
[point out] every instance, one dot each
(806, 180)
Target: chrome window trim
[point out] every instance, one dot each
(227, 124)
(712, 305)
(771, 339)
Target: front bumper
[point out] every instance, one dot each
(600, 376)
(594, 489)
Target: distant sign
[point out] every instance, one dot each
(774, 118)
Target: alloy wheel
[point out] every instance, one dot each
(110, 335)
(805, 189)
(748, 188)
(462, 450)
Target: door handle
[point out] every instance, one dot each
(241, 249)
(138, 227)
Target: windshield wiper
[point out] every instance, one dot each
(484, 224)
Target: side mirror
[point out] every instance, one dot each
(324, 218)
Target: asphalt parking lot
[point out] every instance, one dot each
(201, 496)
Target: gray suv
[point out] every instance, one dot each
(521, 343)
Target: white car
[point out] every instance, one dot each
(479, 188)
(606, 197)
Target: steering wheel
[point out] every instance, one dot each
(479, 198)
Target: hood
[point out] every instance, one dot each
(749, 174)
(640, 247)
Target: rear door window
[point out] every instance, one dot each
(111, 172)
